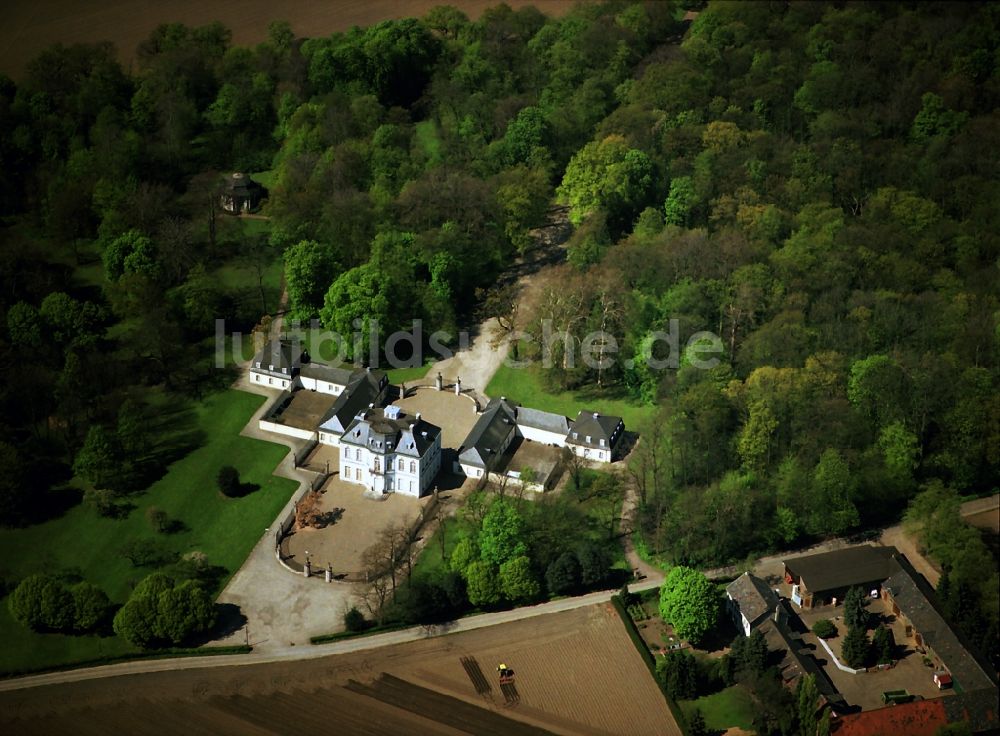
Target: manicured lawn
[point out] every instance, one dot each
(398, 375)
(82, 542)
(524, 386)
(724, 709)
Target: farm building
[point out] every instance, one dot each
(241, 194)
(488, 440)
(914, 603)
(749, 601)
(824, 578)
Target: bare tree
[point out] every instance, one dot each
(500, 303)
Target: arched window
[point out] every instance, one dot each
(413, 466)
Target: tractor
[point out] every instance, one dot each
(506, 674)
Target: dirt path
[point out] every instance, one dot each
(476, 362)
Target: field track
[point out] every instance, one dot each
(32, 25)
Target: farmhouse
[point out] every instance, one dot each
(882, 572)
(241, 194)
(750, 601)
(386, 450)
(824, 578)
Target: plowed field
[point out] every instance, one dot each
(575, 673)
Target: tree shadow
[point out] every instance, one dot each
(243, 489)
(229, 619)
(175, 526)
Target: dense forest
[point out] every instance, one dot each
(816, 183)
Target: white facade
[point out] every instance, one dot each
(542, 435)
(390, 472)
(323, 387)
(277, 382)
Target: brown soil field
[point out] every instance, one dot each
(32, 25)
(575, 673)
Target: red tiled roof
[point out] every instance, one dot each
(919, 718)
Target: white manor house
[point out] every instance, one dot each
(388, 451)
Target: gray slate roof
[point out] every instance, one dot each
(483, 443)
(917, 601)
(322, 372)
(278, 354)
(405, 435)
(844, 568)
(363, 390)
(596, 426)
(755, 599)
(544, 420)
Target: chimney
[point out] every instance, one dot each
(503, 398)
(597, 414)
(418, 416)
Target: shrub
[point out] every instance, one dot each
(42, 602)
(824, 628)
(482, 585)
(159, 611)
(228, 481)
(678, 671)
(354, 620)
(594, 563)
(90, 606)
(157, 518)
(563, 574)
(26, 601)
(518, 581)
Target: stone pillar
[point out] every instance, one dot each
(439, 382)
(458, 386)
(329, 573)
(307, 569)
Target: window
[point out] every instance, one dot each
(402, 464)
(347, 453)
(575, 435)
(413, 467)
(600, 455)
(270, 381)
(411, 485)
(602, 445)
(588, 438)
(357, 454)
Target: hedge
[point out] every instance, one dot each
(327, 638)
(646, 655)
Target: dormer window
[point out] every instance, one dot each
(575, 435)
(588, 438)
(602, 443)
